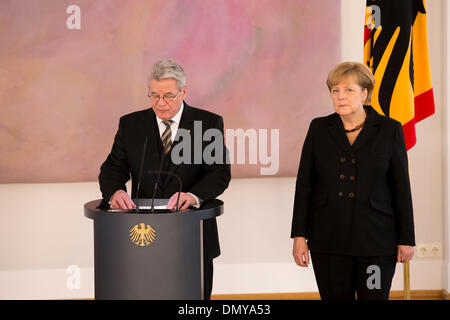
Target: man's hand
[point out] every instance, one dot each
(121, 200)
(300, 251)
(404, 253)
(186, 200)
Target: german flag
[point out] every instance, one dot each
(396, 50)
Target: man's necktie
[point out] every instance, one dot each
(166, 137)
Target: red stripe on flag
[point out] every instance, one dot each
(423, 108)
(367, 34)
(423, 105)
(409, 132)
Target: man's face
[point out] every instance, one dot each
(165, 97)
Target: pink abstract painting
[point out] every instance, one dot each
(261, 64)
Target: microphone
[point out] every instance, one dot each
(140, 173)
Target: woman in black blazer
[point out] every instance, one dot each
(352, 207)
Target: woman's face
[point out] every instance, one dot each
(348, 97)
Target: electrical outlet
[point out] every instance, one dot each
(429, 250)
(435, 250)
(422, 251)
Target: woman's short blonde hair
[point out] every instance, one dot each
(362, 73)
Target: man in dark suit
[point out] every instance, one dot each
(169, 114)
(353, 199)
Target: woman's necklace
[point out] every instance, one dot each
(359, 126)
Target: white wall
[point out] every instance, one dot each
(43, 230)
(446, 145)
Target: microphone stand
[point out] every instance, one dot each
(180, 183)
(140, 174)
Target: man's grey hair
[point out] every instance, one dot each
(166, 69)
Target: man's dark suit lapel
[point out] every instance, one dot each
(186, 123)
(154, 147)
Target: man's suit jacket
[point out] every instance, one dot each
(206, 181)
(354, 199)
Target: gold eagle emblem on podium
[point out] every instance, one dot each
(142, 234)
